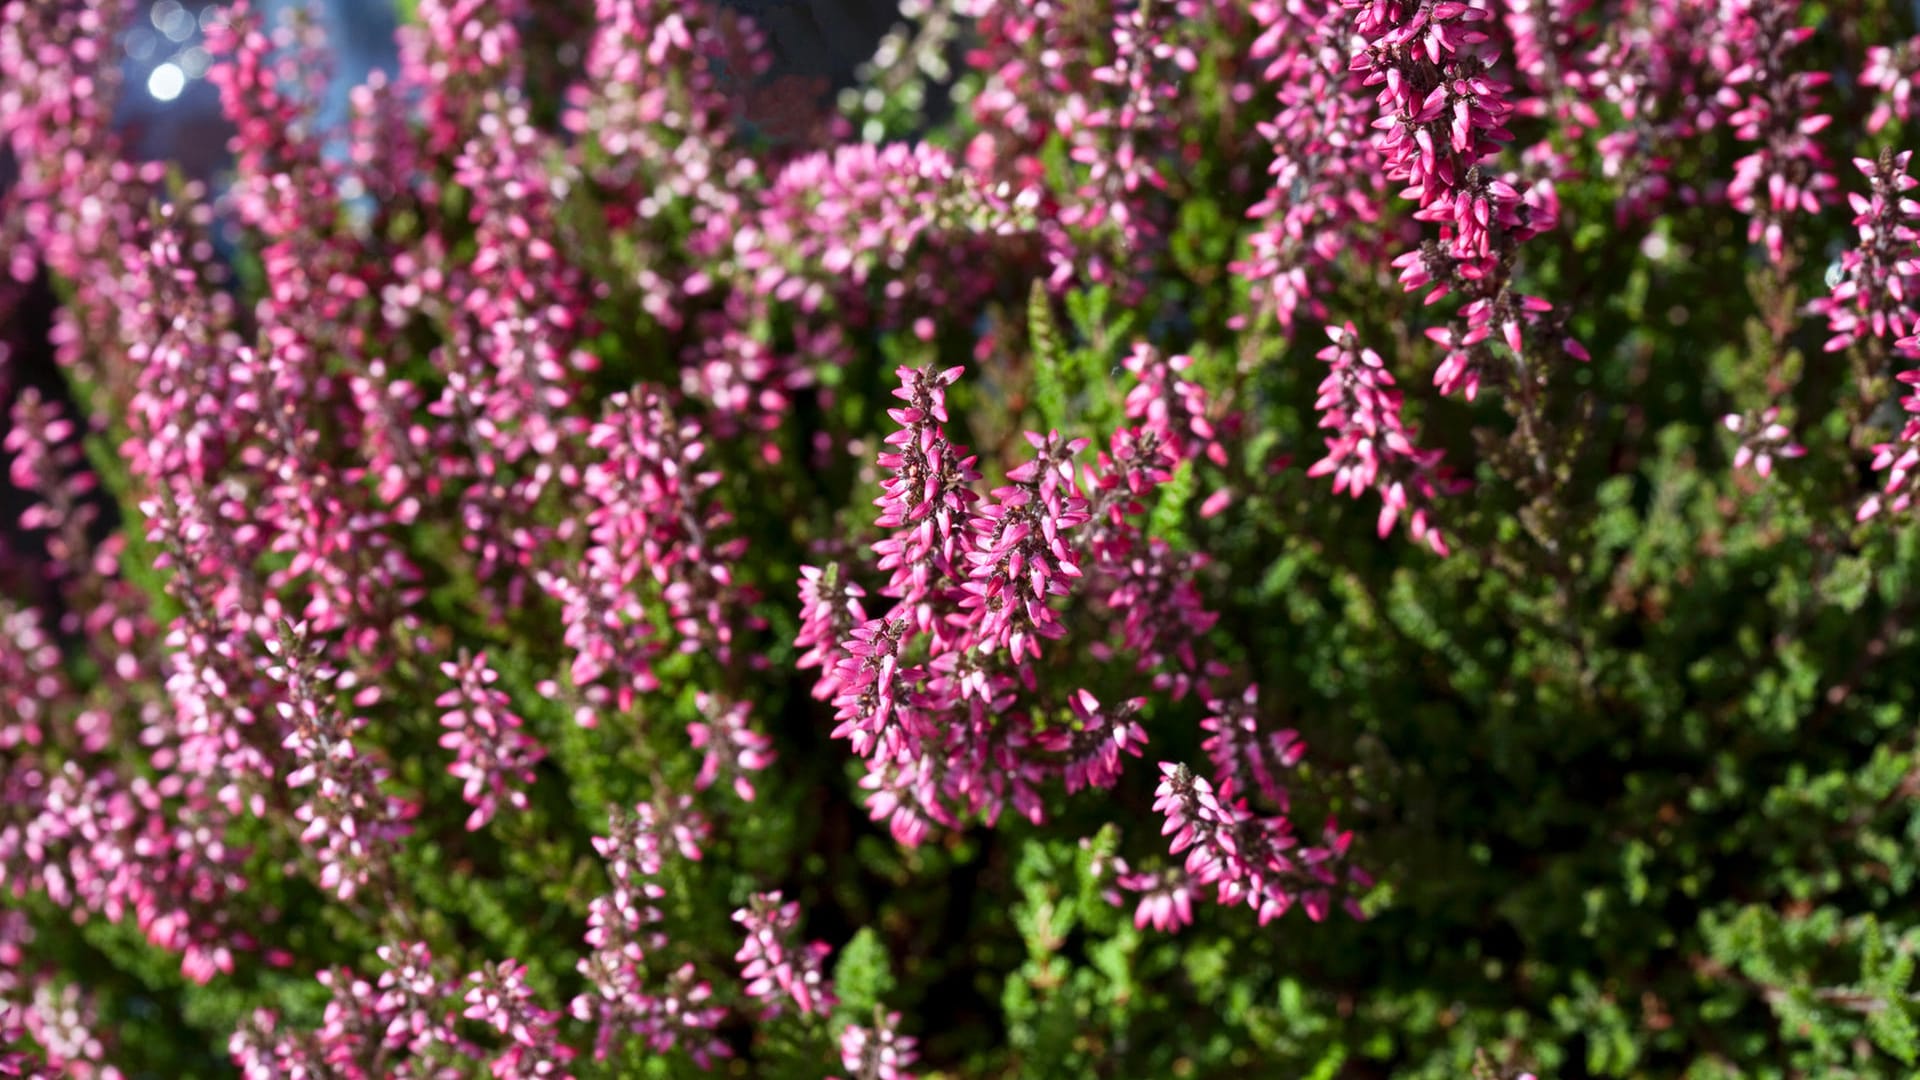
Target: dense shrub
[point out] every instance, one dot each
(1267, 539)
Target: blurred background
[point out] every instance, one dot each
(170, 111)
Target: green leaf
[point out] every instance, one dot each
(1169, 518)
(1893, 1030)
(1049, 394)
(863, 975)
(1849, 583)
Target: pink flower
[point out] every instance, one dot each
(879, 1052)
(1371, 448)
(773, 960)
(1763, 438)
(350, 822)
(1092, 747)
(494, 756)
(732, 748)
(1876, 293)
(1891, 69)
(927, 497)
(1246, 858)
(1166, 899)
(498, 996)
(830, 608)
(1021, 556)
(1242, 752)
(1898, 460)
(1788, 172)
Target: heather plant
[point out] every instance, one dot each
(1197, 538)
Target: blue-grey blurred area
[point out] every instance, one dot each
(169, 111)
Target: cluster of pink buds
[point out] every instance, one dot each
(1020, 557)
(1877, 291)
(879, 1052)
(411, 1000)
(1245, 857)
(30, 672)
(73, 195)
(360, 1028)
(94, 842)
(1326, 180)
(1899, 460)
(1442, 116)
(1893, 71)
(1167, 404)
(938, 735)
(1143, 587)
(349, 819)
(1104, 85)
(1111, 139)
(623, 1000)
(653, 521)
(830, 609)
(1240, 854)
(1371, 448)
(924, 505)
(1091, 747)
(494, 756)
(1442, 111)
(1763, 438)
(454, 52)
(731, 748)
(13, 1060)
(1241, 752)
(638, 842)
(1549, 38)
(1166, 896)
(809, 249)
(1652, 65)
(221, 729)
(932, 693)
(66, 1024)
(926, 499)
(498, 996)
(773, 961)
(1777, 110)
(47, 463)
(406, 1022)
